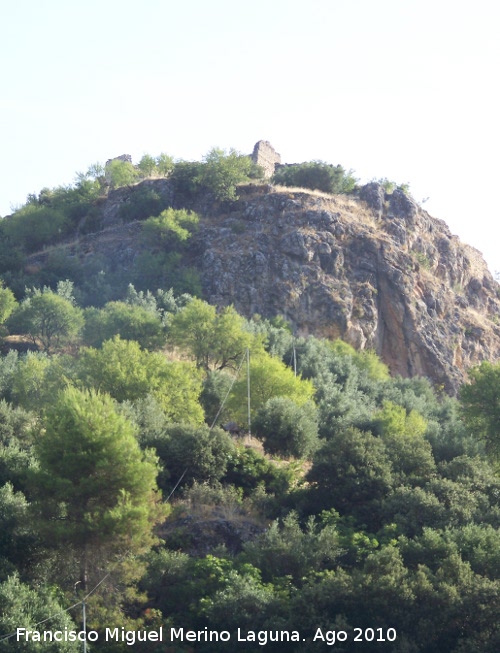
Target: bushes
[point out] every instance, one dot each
(316, 175)
(129, 322)
(170, 227)
(286, 428)
(194, 453)
(219, 173)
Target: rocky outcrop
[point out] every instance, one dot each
(379, 272)
(375, 270)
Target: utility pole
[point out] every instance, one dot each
(84, 619)
(84, 627)
(248, 393)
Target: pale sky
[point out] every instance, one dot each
(404, 89)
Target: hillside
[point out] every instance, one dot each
(374, 269)
(200, 482)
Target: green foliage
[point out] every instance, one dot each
(36, 380)
(165, 269)
(142, 202)
(170, 228)
(269, 378)
(193, 453)
(409, 533)
(219, 173)
(481, 405)
(95, 487)
(285, 549)
(350, 471)
(216, 386)
(164, 164)
(48, 319)
(120, 173)
(185, 177)
(23, 607)
(390, 186)
(8, 365)
(277, 336)
(214, 340)
(287, 429)
(16, 536)
(127, 321)
(33, 226)
(121, 369)
(316, 175)
(248, 469)
(51, 215)
(7, 303)
(147, 166)
(244, 603)
(403, 436)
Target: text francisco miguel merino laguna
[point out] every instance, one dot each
(176, 634)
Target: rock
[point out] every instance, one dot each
(400, 284)
(374, 195)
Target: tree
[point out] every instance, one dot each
(350, 470)
(7, 303)
(127, 321)
(23, 607)
(269, 377)
(164, 164)
(37, 379)
(48, 319)
(284, 549)
(147, 166)
(35, 225)
(286, 428)
(480, 401)
(96, 490)
(403, 436)
(121, 369)
(220, 172)
(120, 173)
(215, 340)
(196, 452)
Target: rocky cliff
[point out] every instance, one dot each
(376, 270)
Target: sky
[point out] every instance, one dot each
(403, 89)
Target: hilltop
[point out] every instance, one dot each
(371, 267)
(197, 471)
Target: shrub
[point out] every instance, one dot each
(316, 175)
(129, 322)
(142, 203)
(194, 453)
(170, 227)
(286, 428)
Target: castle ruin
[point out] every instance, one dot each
(265, 156)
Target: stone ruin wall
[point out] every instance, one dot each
(265, 156)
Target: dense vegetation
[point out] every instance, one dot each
(316, 175)
(362, 501)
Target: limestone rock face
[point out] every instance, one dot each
(378, 272)
(375, 270)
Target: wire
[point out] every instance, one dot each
(175, 487)
(53, 616)
(213, 423)
(227, 393)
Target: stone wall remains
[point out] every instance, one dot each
(265, 156)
